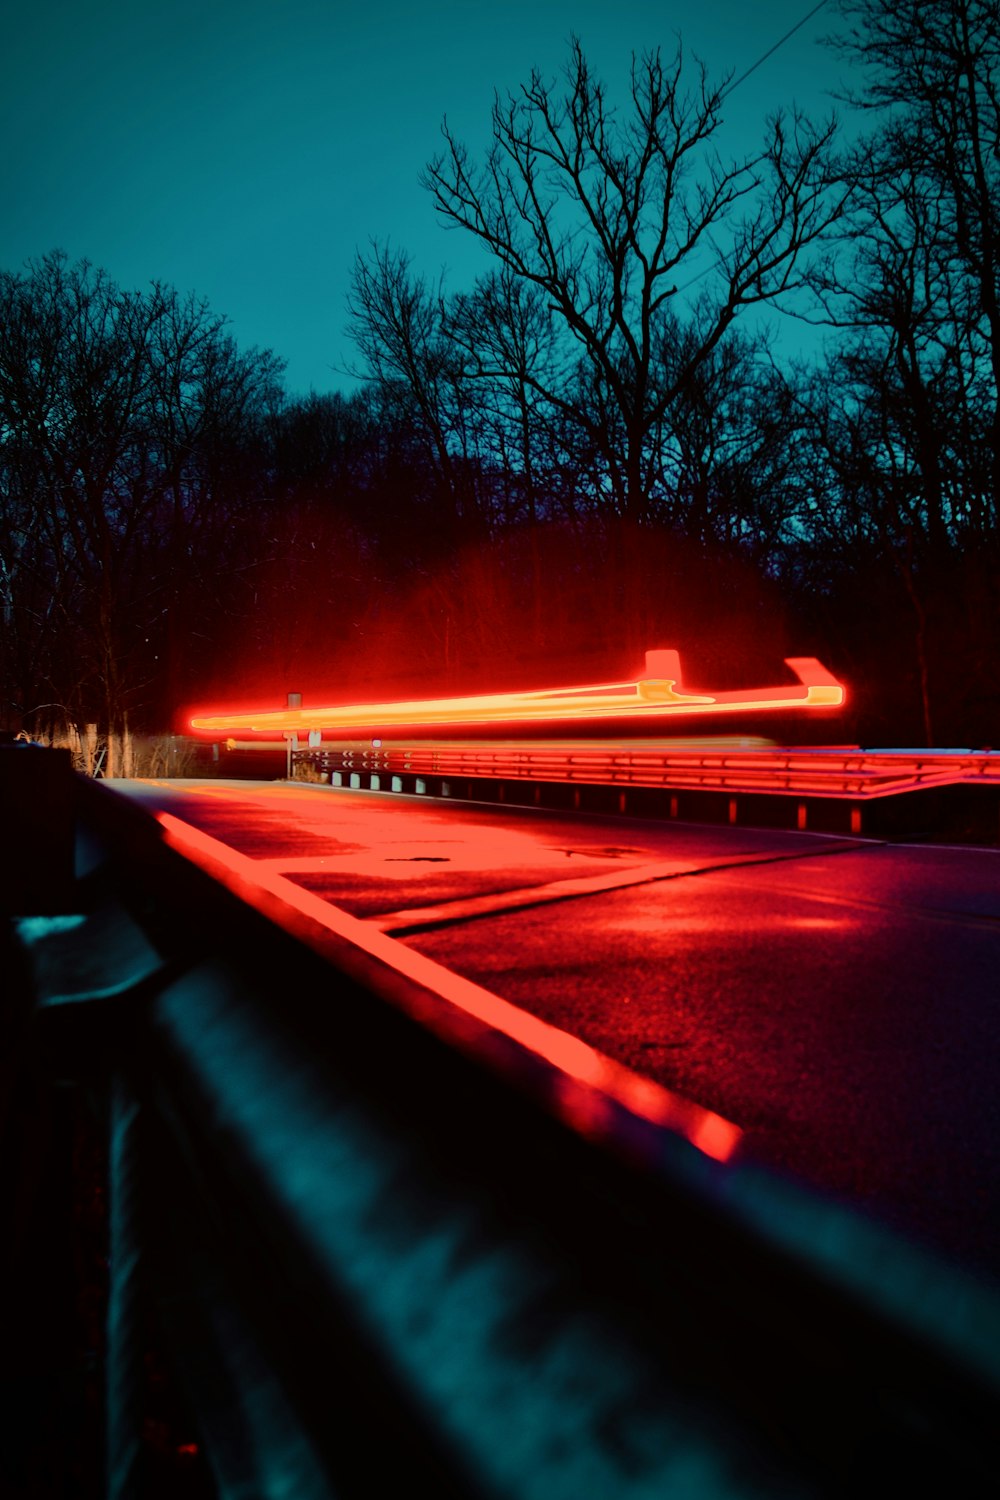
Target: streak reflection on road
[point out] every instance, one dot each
(837, 999)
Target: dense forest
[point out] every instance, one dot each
(599, 447)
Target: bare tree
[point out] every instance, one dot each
(908, 415)
(605, 217)
(505, 333)
(915, 281)
(399, 323)
(121, 420)
(729, 469)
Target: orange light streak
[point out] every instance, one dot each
(653, 696)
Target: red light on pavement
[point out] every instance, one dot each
(588, 1087)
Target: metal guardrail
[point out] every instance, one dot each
(396, 1232)
(840, 773)
(838, 789)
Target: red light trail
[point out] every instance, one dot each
(657, 694)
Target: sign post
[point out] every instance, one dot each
(291, 739)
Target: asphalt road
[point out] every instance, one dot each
(838, 999)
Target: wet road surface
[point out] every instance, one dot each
(838, 999)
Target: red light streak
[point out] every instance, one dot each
(655, 695)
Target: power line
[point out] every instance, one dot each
(779, 43)
(736, 82)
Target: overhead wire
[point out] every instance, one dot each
(736, 83)
(779, 43)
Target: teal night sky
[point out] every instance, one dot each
(244, 149)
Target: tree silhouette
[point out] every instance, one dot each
(908, 412)
(605, 217)
(123, 416)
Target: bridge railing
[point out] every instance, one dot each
(839, 789)
(395, 1231)
(837, 772)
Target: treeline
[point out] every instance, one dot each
(597, 448)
